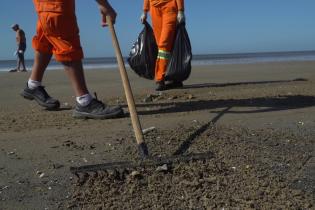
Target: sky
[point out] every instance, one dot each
(214, 26)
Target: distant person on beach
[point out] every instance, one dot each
(57, 34)
(165, 14)
(21, 47)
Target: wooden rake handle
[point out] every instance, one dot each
(128, 92)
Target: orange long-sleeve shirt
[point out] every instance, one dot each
(148, 3)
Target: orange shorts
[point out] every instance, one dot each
(57, 31)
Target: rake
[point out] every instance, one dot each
(146, 160)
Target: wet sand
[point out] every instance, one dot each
(256, 119)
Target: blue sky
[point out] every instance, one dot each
(214, 26)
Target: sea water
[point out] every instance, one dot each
(206, 59)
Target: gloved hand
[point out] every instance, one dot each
(180, 16)
(143, 17)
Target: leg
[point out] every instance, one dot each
(166, 21)
(65, 46)
(41, 61)
(156, 16)
(23, 62)
(94, 108)
(75, 73)
(38, 93)
(18, 64)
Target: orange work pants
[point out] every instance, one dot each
(164, 17)
(57, 31)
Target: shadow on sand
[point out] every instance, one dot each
(256, 105)
(264, 104)
(205, 85)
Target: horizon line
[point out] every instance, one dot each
(202, 54)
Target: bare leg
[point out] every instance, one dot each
(18, 64)
(41, 61)
(23, 63)
(75, 73)
(35, 91)
(95, 109)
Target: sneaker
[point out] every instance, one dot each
(41, 97)
(174, 84)
(160, 86)
(97, 110)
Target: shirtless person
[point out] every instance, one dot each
(21, 43)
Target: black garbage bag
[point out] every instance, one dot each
(143, 54)
(179, 66)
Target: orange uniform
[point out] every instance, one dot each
(57, 31)
(164, 20)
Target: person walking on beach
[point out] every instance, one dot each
(57, 34)
(21, 47)
(165, 14)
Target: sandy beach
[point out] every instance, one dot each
(258, 120)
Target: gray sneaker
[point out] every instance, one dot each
(40, 95)
(97, 110)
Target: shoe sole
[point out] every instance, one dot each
(30, 97)
(85, 115)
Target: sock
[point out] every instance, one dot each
(84, 100)
(32, 84)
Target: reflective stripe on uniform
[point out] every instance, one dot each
(164, 55)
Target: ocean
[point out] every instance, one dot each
(206, 59)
